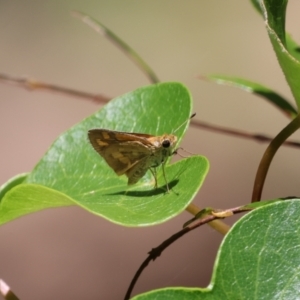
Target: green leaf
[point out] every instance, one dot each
(28, 198)
(274, 14)
(258, 259)
(257, 204)
(293, 47)
(258, 89)
(116, 40)
(72, 167)
(11, 183)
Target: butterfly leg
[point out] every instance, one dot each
(164, 173)
(153, 171)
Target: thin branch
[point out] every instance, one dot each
(104, 31)
(6, 291)
(242, 134)
(30, 84)
(157, 251)
(218, 225)
(268, 157)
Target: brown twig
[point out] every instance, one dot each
(31, 84)
(6, 291)
(35, 85)
(242, 134)
(157, 251)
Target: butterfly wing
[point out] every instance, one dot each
(136, 172)
(122, 151)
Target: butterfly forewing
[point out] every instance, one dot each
(120, 150)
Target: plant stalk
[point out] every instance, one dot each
(267, 158)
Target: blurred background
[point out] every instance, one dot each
(67, 253)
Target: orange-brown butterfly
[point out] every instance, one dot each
(133, 154)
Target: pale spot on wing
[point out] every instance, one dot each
(105, 135)
(124, 160)
(116, 154)
(101, 143)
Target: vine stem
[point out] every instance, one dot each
(216, 224)
(157, 251)
(267, 158)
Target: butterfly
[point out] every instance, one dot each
(133, 154)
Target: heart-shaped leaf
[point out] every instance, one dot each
(74, 173)
(258, 259)
(28, 198)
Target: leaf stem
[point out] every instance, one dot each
(218, 225)
(268, 157)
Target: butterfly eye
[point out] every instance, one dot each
(166, 143)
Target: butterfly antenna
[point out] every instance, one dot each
(180, 148)
(192, 116)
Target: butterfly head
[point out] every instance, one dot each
(168, 142)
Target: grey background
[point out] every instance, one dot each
(68, 253)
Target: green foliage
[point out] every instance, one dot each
(259, 256)
(257, 89)
(18, 179)
(286, 49)
(258, 259)
(72, 173)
